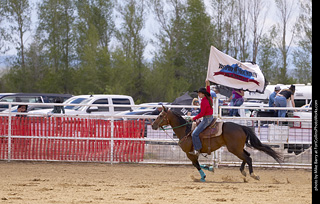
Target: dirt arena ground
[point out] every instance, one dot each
(26, 182)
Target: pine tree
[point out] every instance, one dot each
(94, 29)
(168, 75)
(198, 39)
(55, 31)
(132, 48)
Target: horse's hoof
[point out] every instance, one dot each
(244, 173)
(197, 180)
(203, 178)
(255, 177)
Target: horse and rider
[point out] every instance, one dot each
(205, 113)
(233, 136)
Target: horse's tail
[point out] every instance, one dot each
(256, 143)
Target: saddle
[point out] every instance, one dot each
(213, 130)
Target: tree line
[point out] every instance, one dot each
(98, 46)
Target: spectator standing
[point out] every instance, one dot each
(272, 98)
(194, 111)
(282, 97)
(236, 99)
(213, 93)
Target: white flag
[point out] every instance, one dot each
(227, 71)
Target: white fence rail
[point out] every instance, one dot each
(130, 138)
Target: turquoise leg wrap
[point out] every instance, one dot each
(203, 175)
(205, 167)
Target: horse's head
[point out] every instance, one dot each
(161, 120)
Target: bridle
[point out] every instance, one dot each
(165, 117)
(164, 129)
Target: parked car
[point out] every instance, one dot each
(143, 110)
(30, 98)
(303, 114)
(86, 100)
(67, 106)
(103, 100)
(31, 108)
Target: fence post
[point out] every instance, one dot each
(112, 138)
(215, 107)
(9, 133)
(216, 115)
(219, 112)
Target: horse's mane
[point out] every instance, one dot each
(182, 121)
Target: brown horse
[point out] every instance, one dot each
(234, 137)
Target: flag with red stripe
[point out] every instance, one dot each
(227, 71)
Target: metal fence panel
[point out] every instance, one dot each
(100, 138)
(70, 139)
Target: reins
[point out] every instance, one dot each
(187, 123)
(180, 141)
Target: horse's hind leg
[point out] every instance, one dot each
(243, 164)
(249, 162)
(245, 157)
(242, 169)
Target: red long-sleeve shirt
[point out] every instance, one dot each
(205, 107)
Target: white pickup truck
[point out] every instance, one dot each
(103, 100)
(86, 100)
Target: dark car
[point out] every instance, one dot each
(30, 98)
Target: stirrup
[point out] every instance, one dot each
(194, 152)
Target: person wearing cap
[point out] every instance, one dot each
(272, 97)
(282, 97)
(206, 112)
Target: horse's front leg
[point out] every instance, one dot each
(196, 164)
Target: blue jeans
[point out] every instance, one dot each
(195, 134)
(235, 102)
(281, 101)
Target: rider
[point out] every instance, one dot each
(206, 113)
